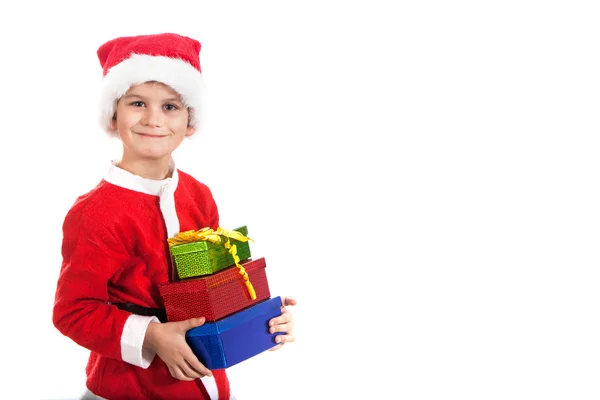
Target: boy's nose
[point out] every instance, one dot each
(153, 117)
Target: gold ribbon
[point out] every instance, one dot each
(207, 234)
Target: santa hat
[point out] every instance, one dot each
(167, 58)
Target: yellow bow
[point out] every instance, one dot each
(207, 234)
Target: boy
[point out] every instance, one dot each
(115, 251)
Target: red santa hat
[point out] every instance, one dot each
(167, 58)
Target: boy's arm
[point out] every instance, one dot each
(91, 255)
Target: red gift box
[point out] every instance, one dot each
(215, 296)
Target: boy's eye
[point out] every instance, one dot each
(138, 104)
(171, 107)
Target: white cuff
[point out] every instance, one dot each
(211, 388)
(132, 340)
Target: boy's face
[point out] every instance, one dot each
(151, 121)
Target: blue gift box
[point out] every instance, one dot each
(236, 338)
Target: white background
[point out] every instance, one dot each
(422, 176)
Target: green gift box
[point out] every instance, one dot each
(204, 257)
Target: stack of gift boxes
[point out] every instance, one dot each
(215, 277)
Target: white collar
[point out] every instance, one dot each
(125, 179)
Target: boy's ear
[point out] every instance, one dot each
(190, 131)
(113, 122)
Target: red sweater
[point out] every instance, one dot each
(115, 250)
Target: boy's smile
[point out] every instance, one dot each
(151, 135)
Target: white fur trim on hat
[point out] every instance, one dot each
(175, 73)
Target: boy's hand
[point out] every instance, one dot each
(168, 341)
(283, 323)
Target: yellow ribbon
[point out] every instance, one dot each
(207, 234)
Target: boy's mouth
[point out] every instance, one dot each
(151, 135)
